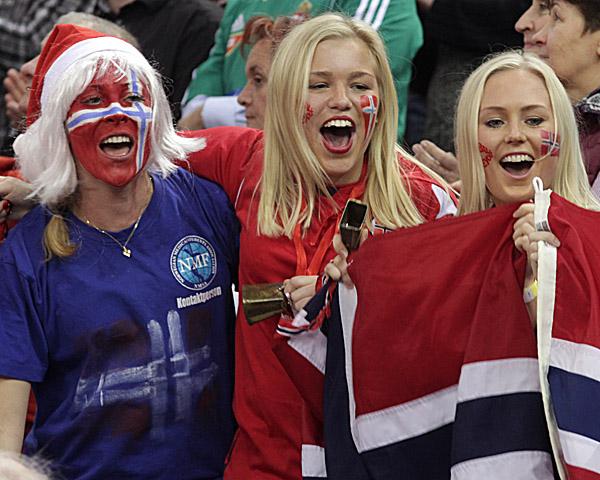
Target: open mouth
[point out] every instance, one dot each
(338, 135)
(117, 145)
(517, 165)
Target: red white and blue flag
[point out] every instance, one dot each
(569, 337)
(431, 369)
(550, 143)
(369, 105)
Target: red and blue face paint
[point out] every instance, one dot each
(108, 127)
(486, 155)
(369, 105)
(550, 143)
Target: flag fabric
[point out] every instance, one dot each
(301, 347)
(569, 336)
(428, 368)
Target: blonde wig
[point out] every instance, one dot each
(292, 172)
(570, 180)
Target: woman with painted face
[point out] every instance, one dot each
(329, 135)
(520, 133)
(116, 301)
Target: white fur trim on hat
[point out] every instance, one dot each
(77, 52)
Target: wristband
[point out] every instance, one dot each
(530, 292)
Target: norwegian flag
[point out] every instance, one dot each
(550, 143)
(569, 336)
(430, 370)
(369, 105)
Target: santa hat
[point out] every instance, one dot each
(66, 45)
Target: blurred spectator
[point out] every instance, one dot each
(210, 98)
(262, 34)
(466, 31)
(531, 22)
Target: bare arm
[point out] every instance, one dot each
(14, 397)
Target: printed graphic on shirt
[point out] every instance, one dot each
(194, 262)
(235, 37)
(146, 378)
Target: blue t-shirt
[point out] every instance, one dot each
(130, 359)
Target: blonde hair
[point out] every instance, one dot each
(291, 170)
(570, 180)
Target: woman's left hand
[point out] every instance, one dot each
(300, 289)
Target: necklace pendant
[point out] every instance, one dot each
(126, 252)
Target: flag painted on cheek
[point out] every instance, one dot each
(369, 105)
(486, 155)
(550, 143)
(308, 113)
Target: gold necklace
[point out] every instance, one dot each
(124, 250)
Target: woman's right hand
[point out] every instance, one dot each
(441, 162)
(337, 269)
